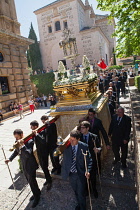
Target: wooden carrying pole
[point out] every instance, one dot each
(28, 137)
(9, 169)
(85, 154)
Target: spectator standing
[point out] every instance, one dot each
(31, 104)
(45, 100)
(20, 108)
(40, 101)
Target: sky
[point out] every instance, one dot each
(25, 9)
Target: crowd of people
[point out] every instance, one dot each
(17, 108)
(85, 140)
(112, 84)
(33, 102)
(36, 102)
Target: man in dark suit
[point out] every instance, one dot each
(111, 84)
(96, 126)
(111, 102)
(117, 84)
(124, 73)
(119, 131)
(122, 79)
(101, 85)
(42, 151)
(73, 167)
(29, 164)
(51, 139)
(106, 82)
(94, 147)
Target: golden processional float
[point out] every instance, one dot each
(76, 92)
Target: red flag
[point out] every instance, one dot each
(102, 64)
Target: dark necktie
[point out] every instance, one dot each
(119, 120)
(73, 166)
(86, 140)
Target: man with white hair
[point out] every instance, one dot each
(119, 132)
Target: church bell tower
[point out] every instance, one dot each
(8, 17)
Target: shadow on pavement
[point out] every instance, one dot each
(20, 182)
(27, 114)
(16, 120)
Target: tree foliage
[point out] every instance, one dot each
(34, 55)
(44, 83)
(137, 82)
(127, 13)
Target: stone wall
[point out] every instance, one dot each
(13, 47)
(14, 67)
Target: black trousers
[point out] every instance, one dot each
(124, 151)
(43, 160)
(54, 160)
(33, 184)
(94, 170)
(79, 188)
(45, 103)
(123, 89)
(118, 97)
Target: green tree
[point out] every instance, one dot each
(43, 82)
(28, 59)
(127, 13)
(34, 55)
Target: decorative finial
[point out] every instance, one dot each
(92, 10)
(87, 3)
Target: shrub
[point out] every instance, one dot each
(43, 82)
(115, 67)
(137, 82)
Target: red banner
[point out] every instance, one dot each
(102, 64)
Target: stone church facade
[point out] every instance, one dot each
(92, 32)
(14, 76)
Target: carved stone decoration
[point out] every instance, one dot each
(73, 91)
(69, 46)
(55, 11)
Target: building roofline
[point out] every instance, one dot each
(55, 2)
(95, 29)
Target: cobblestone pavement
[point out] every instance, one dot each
(118, 185)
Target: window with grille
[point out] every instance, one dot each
(49, 29)
(65, 24)
(57, 26)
